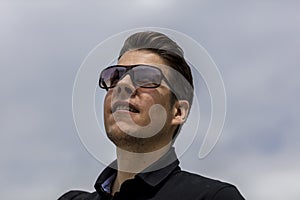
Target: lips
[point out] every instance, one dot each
(124, 106)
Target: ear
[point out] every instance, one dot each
(180, 112)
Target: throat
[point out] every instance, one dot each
(133, 163)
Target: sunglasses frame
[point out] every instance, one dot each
(128, 70)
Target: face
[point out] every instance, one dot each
(129, 110)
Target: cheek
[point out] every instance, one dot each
(155, 97)
(160, 97)
(107, 104)
(148, 98)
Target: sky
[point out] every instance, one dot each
(255, 45)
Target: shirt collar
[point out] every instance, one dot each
(107, 184)
(161, 169)
(152, 175)
(109, 171)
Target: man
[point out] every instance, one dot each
(149, 95)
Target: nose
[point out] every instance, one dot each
(125, 87)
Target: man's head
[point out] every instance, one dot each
(151, 71)
(170, 52)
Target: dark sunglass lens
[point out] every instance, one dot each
(110, 76)
(147, 77)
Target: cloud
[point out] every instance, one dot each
(254, 44)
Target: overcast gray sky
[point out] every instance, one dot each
(255, 45)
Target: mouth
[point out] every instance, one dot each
(124, 106)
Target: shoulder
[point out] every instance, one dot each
(77, 195)
(204, 186)
(229, 192)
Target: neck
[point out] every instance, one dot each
(129, 164)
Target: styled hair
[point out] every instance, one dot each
(173, 55)
(170, 52)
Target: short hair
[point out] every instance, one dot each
(170, 52)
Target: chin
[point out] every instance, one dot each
(125, 141)
(135, 144)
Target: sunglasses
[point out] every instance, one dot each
(144, 76)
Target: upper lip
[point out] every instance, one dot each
(124, 104)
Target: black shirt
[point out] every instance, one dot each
(166, 183)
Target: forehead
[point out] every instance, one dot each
(144, 57)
